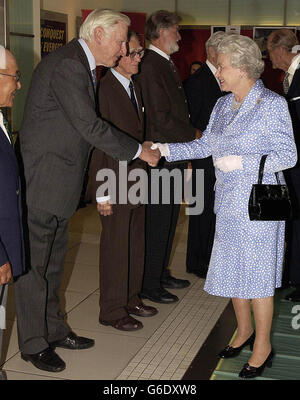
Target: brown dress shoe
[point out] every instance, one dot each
(142, 310)
(126, 323)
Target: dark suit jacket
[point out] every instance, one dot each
(202, 92)
(59, 129)
(294, 108)
(11, 234)
(167, 117)
(117, 108)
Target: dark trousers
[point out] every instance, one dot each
(202, 227)
(292, 259)
(39, 316)
(161, 221)
(121, 261)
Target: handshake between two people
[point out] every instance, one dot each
(149, 155)
(152, 152)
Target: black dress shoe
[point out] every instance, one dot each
(142, 310)
(170, 282)
(73, 342)
(126, 323)
(230, 352)
(159, 296)
(249, 372)
(293, 296)
(47, 360)
(198, 273)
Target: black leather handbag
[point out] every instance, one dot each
(269, 202)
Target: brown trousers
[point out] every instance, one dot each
(121, 261)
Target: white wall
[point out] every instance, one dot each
(147, 6)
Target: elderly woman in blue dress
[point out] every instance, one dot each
(247, 256)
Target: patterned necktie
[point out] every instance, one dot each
(285, 83)
(94, 76)
(5, 123)
(132, 97)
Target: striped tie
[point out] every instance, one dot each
(94, 76)
(132, 97)
(286, 83)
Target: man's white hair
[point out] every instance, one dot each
(101, 17)
(2, 57)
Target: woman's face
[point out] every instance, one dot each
(229, 77)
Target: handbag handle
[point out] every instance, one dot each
(261, 170)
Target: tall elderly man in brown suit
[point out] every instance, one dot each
(122, 236)
(167, 120)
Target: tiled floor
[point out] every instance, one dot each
(163, 349)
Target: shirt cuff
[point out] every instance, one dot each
(138, 152)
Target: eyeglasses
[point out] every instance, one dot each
(17, 76)
(139, 53)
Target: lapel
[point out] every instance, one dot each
(139, 99)
(5, 144)
(294, 89)
(213, 84)
(123, 96)
(164, 66)
(83, 58)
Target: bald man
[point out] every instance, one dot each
(11, 235)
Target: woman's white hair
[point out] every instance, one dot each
(244, 53)
(101, 17)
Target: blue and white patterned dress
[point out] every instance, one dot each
(247, 256)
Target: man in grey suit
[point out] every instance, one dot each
(60, 128)
(11, 237)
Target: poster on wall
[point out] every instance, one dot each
(53, 31)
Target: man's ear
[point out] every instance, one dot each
(98, 34)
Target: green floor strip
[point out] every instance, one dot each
(285, 341)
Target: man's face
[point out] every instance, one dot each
(112, 45)
(9, 84)
(129, 65)
(171, 36)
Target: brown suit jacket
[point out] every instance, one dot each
(117, 108)
(167, 116)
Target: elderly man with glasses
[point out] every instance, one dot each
(122, 236)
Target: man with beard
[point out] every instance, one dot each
(167, 120)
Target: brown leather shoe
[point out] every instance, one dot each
(126, 323)
(142, 310)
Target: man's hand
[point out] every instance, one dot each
(105, 208)
(198, 134)
(5, 273)
(150, 156)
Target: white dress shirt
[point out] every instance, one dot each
(293, 67)
(213, 70)
(92, 64)
(158, 51)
